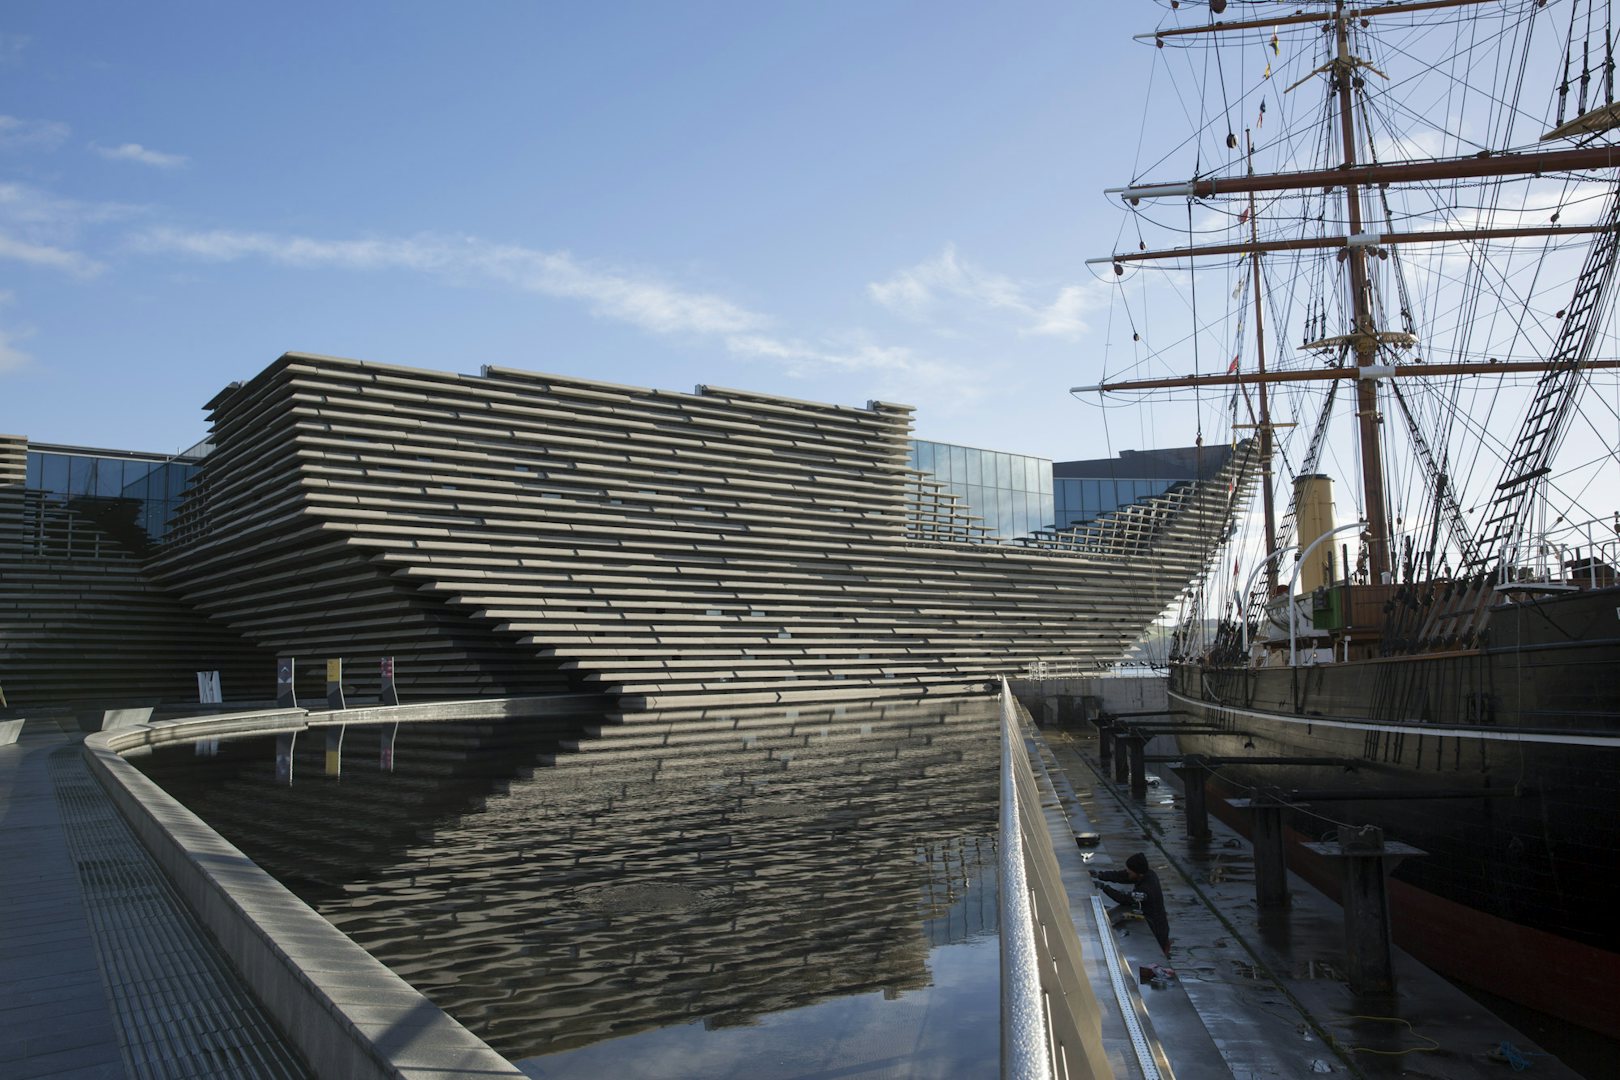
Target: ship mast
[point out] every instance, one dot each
(1266, 497)
(1364, 338)
(1363, 332)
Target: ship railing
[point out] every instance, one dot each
(1051, 1026)
(1575, 555)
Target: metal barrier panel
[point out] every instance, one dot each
(1051, 1025)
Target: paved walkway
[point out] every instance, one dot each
(103, 972)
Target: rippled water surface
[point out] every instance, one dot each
(786, 895)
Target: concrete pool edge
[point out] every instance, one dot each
(346, 1013)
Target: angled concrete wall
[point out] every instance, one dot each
(515, 533)
(680, 550)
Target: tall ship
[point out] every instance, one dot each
(1385, 247)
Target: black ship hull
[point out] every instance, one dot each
(1502, 763)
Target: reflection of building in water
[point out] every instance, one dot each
(775, 861)
(961, 900)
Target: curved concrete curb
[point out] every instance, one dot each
(345, 1012)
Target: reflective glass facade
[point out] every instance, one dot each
(133, 497)
(1084, 490)
(1012, 493)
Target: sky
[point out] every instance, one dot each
(835, 201)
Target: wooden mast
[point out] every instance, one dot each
(1363, 332)
(1267, 498)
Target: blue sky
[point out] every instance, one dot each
(835, 201)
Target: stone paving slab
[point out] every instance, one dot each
(103, 972)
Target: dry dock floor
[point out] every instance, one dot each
(1259, 994)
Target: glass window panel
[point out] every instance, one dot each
(54, 473)
(181, 477)
(79, 475)
(925, 456)
(33, 471)
(959, 462)
(1048, 512)
(109, 474)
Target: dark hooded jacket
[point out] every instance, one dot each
(1152, 895)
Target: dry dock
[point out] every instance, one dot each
(1261, 993)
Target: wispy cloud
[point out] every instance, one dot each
(11, 357)
(12, 47)
(43, 230)
(17, 134)
(946, 282)
(53, 258)
(642, 300)
(141, 155)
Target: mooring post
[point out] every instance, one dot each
(1369, 959)
(1193, 774)
(1122, 754)
(1105, 741)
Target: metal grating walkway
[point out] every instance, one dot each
(104, 972)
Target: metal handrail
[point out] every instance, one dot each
(1050, 1022)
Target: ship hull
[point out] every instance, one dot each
(1514, 891)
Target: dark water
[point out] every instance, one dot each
(791, 895)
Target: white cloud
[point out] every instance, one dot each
(53, 258)
(42, 230)
(18, 134)
(944, 284)
(641, 300)
(11, 357)
(140, 154)
(12, 46)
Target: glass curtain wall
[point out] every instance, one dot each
(1010, 493)
(131, 496)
